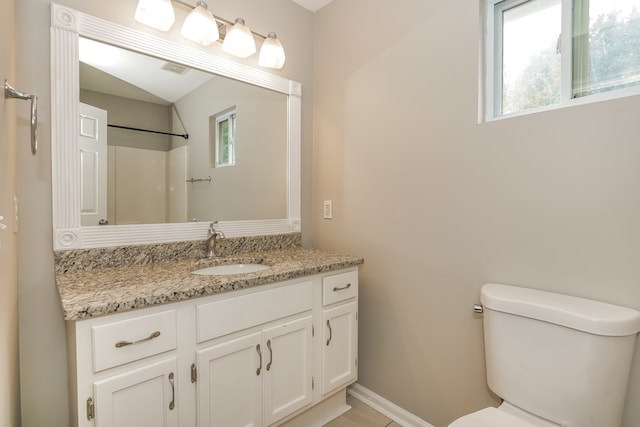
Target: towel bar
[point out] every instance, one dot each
(192, 180)
(9, 93)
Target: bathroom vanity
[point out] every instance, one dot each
(154, 344)
(149, 342)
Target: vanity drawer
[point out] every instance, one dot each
(133, 339)
(234, 314)
(339, 287)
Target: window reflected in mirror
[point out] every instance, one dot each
(223, 135)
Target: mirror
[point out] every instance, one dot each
(233, 195)
(181, 144)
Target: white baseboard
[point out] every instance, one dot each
(322, 413)
(382, 405)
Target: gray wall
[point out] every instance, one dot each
(132, 113)
(42, 335)
(10, 142)
(256, 186)
(439, 205)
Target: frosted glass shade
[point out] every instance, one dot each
(239, 40)
(200, 26)
(271, 53)
(157, 14)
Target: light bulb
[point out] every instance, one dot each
(200, 25)
(157, 14)
(239, 40)
(271, 53)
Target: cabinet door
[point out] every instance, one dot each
(144, 396)
(288, 368)
(339, 346)
(230, 383)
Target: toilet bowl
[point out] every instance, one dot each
(555, 360)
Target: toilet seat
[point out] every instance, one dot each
(490, 417)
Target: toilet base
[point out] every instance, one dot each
(506, 415)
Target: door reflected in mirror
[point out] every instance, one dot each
(160, 142)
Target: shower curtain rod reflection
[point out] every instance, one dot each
(185, 135)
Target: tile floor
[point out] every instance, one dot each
(361, 415)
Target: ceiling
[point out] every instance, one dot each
(313, 5)
(120, 72)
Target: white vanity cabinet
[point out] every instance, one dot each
(270, 360)
(272, 366)
(288, 379)
(340, 330)
(138, 397)
(253, 357)
(125, 369)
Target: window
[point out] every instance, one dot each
(551, 53)
(223, 134)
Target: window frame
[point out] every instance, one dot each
(490, 97)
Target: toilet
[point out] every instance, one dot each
(555, 360)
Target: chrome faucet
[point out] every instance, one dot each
(212, 240)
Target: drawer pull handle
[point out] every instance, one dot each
(120, 344)
(330, 331)
(172, 404)
(270, 355)
(260, 365)
(336, 288)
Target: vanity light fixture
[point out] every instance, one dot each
(271, 53)
(157, 14)
(202, 27)
(239, 40)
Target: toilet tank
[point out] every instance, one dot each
(561, 358)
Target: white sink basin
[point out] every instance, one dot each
(229, 269)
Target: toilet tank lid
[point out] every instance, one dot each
(585, 315)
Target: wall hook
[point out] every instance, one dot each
(10, 92)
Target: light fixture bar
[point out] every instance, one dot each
(219, 19)
(203, 27)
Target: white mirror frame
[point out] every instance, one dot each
(66, 27)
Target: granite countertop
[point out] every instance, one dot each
(102, 291)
